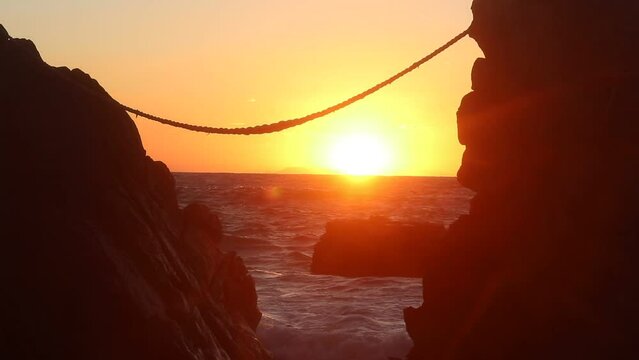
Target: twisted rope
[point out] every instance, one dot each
(287, 124)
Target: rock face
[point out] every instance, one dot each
(98, 261)
(545, 265)
(375, 247)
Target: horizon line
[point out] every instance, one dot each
(308, 174)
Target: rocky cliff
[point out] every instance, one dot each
(98, 261)
(545, 265)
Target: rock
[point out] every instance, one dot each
(239, 296)
(545, 265)
(482, 74)
(99, 262)
(198, 217)
(375, 247)
(200, 233)
(4, 35)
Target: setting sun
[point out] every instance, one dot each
(360, 154)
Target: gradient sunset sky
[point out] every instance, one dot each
(246, 62)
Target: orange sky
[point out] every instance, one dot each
(246, 62)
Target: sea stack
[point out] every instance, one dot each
(98, 260)
(375, 247)
(545, 266)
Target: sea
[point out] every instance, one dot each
(273, 222)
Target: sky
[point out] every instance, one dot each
(236, 63)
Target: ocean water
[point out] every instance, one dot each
(273, 222)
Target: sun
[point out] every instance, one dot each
(360, 154)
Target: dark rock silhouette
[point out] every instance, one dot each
(374, 247)
(98, 261)
(545, 265)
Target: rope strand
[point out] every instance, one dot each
(287, 124)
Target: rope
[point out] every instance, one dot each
(274, 127)
(287, 124)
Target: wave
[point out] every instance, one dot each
(291, 343)
(263, 193)
(297, 256)
(274, 221)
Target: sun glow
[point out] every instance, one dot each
(360, 154)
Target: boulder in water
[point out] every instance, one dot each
(374, 247)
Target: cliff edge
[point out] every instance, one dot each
(545, 265)
(98, 261)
